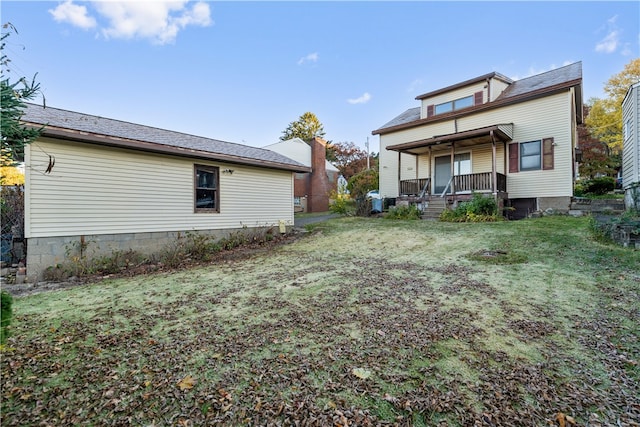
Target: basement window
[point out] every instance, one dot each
(206, 189)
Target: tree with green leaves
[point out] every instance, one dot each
(605, 115)
(14, 134)
(306, 128)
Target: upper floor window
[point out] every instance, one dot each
(458, 104)
(206, 189)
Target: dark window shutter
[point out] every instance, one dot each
(514, 152)
(547, 154)
(430, 109)
(477, 98)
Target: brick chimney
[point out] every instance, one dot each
(318, 198)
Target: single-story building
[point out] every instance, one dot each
(514, 140)
(106, 185)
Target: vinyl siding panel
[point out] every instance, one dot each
(99, 190)
(631, 144)
(534, 120)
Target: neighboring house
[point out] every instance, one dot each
(631, 146)
(311, 190)
(513, 139)
(103, 185)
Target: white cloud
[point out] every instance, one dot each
(312, 57)
(611, 41)
(361, 100)
(73, 14)
(158, 21)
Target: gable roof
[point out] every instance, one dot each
(518, 91)
(80, 127)
(469, 82)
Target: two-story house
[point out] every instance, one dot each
(514, 140)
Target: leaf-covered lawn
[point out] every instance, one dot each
(361, 322)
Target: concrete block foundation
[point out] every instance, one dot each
(45, 252)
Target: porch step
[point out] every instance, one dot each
(434, 209)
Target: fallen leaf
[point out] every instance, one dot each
(561, 419)
(361, 373)
(186, 383)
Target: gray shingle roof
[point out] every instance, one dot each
(408, 116)
(542, 81)
(58, 118)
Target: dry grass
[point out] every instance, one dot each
(547, 323)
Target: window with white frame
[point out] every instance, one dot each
(462, 164)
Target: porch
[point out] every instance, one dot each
(457, 185)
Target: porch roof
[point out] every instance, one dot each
(501, 132)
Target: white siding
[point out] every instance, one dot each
(631, 143)
(545, 117)
(100, 190)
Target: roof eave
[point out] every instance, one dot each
(98, 139)
(487, 106)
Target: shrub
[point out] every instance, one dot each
(341, 203)
(404, 212)
(596, 186)
(6, 312)
(478, 209)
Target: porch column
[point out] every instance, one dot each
(399, 173)
(429, 176)
(494, 167)
(453, 169)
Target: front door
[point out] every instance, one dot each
(442, 174)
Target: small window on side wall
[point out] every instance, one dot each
(531, 155)
(206, 189)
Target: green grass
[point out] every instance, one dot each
(448, 333)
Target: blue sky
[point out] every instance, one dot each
(242, 71)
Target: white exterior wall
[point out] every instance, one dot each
(298, 150)
(98, 190)
(631, 143)
(545, 117)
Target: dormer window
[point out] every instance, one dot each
(457, 104)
